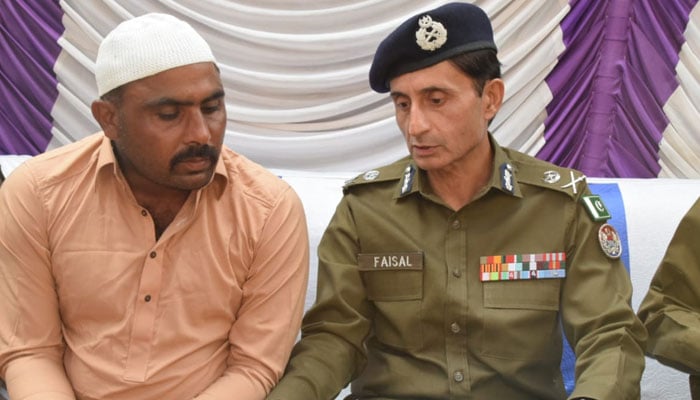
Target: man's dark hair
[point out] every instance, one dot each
(481, 65)
(114, 96)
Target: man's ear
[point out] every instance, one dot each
(106, 114)
(492, 96)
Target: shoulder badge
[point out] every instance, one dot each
(370, 175)
(610, 241)
(574, 182)
(595, 208)
(551, 176)
(387, 173)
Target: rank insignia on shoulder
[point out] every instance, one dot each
(574, 182)
(371, 175)
(610, 241)
(551, 177)
(595, 208)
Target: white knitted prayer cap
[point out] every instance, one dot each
(144, 46)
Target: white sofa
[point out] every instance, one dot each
(651, 209)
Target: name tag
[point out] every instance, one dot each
(515, 267)
(390, 261)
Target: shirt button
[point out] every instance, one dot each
(456, 224)
(153, 254)
(147, 298)
(456, 273)
(144, 213)
(458, 376)
(455, 327)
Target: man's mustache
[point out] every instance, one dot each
(204, 151)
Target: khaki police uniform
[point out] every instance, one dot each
(671, 308)
(403, 313)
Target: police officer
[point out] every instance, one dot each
(671, 309)
(450, 273)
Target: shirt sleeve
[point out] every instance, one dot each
(268, 321)
(671, 308)
(331, 351)
(31, 343)
(598, 319)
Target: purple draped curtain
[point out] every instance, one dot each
(606, 118)
(29, 31)
(609, 87)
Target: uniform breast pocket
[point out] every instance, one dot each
(521, 319)
(397, 296)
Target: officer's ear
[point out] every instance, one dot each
(106, 114)
(492, 97)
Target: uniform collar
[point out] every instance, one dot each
(503, 176)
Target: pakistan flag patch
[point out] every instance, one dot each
(595, 207)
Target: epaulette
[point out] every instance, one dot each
(565, 180)
(532, 171)
(391, 172)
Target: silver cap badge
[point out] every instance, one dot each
(431, 35)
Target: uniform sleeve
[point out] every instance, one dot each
(330, 353)
(598, 319)
(671, 308)
(31, 344)
(273, 302)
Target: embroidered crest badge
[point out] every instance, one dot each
(610, 241)
(431, 35)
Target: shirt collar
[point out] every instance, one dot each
(107, 161)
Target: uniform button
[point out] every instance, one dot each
(458, 376)
(147, 298)
(456, 224)
(456, 273)
(153, 254)
(455, 327)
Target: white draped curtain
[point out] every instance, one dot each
(295, 73)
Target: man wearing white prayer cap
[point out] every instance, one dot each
(149, 261)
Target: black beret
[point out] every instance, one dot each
(428, 38)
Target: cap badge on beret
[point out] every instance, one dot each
(431, 35)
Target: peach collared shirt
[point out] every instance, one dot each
(93, 307)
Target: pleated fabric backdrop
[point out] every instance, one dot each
(610, 87)
(606, 86)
